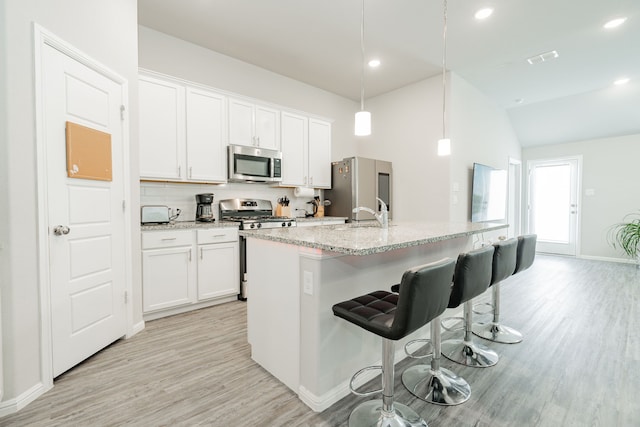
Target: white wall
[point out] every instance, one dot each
(480, 132)
(405, 127)
(168, 55)
(107, 32)
(610, 169)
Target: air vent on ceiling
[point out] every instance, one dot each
(543, 57)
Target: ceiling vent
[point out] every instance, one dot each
(543, 57)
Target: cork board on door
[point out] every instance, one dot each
(88, 153)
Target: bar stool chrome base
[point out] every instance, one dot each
(497, 333)
(442, 387)
(469, 353)
(371, 414)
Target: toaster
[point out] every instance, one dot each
(154, 214)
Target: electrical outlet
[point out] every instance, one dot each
(307, 283)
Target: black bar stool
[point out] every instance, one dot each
(504, 264)
(472, 278)
(433, 383)
(423, 295)
(525, 254)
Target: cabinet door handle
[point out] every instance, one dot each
(190, 172)
(179, 171)
(168, 238)
(201, 251)
(190, 255)
(258, 139)
(310, 180)
(218, 235)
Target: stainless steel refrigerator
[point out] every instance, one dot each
(357, 181)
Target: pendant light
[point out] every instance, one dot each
(444, 144)
(363, 118)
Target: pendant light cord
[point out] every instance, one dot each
(362, 51)
(444, 69)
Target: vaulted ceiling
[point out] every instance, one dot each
(569, 98)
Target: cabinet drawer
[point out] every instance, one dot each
(166, 239)
(217, 235)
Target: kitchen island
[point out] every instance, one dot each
(296, 275)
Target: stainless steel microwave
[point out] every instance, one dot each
(251, 164)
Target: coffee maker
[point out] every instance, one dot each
(204, 213)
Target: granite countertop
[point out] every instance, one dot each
(187, 225)
(367, 237)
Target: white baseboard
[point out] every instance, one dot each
(608, 259)
(12, 406)
(135, 329)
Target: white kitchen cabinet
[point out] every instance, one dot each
(306, 151)
(253, 125)
(319, 153)
(182, 132)
(168, 270)
(162, 134)
(294, 142)
(184, 270)
(206, 130)
(218, 263)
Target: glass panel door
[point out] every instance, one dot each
(553, 193)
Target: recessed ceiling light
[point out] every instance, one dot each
(484, 13)
(622, 81)
(614, 23)
(543, 57)
(374, 63)
(518, 100)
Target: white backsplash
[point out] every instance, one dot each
(183, 196)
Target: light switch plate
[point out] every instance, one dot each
(307, 285)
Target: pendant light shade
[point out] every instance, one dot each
(444, 147)
(363, 118)
(363, 123)
(444, 143)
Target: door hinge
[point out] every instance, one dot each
(126, 297)
(122, 109)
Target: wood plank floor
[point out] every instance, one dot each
(577, 366)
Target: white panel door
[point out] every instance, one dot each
(206, 136)
(86, 218)
(218, 270)
(553, 193)
(162, 133)
(319, 154)
(294, 149)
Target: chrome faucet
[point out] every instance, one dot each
(382, 217)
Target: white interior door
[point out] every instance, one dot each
(86, 218)
(553, 195)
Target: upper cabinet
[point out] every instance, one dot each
(253, 125)
(319, 153)
(182, 132)
(162, 134)
(306, 151)
(206, 119)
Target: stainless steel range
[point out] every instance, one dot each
(252, 214)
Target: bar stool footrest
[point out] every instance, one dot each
(412, 354)
(357, 374)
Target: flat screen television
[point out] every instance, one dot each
(488, 194)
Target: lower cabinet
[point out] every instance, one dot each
(218, 263)
(181, 274)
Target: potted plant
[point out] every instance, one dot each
(626, 235)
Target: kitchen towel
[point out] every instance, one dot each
(303, 192)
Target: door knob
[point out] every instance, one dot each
(59, 230)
